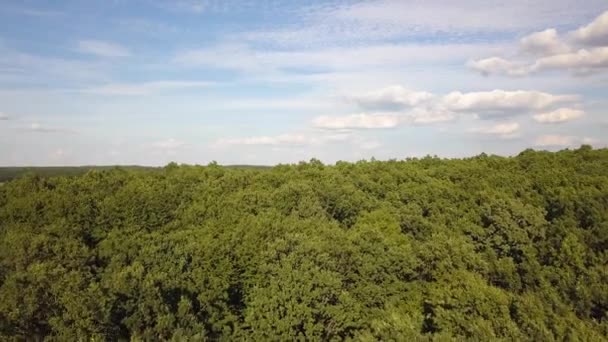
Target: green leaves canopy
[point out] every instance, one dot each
(485, 248)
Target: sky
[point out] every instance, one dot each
(274, 81)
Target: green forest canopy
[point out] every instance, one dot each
(11, 172)
(484, 248)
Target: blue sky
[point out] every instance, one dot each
(265, 82)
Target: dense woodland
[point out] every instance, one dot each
(484, 248)
(10, 173)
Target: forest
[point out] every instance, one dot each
(486, 248)
(10, 173)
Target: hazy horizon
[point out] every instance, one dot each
(372, 158)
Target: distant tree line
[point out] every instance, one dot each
(485, 249)
(8, 173)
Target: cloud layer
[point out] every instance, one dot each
(559, 115)
(333, 79)
(396, 105)
(581, 52)
(594, 34)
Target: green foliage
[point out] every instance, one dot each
(485, 248)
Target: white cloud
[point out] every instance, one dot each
(559, 115)
(504, 130)
(102, 49)
(424, 114)
(435, 109)
(502, 100)
(543, 43)
(3, 116)
(499, 66)
(145, 88)
(579, 62)
(555, 141)
(357, 121)
(553, 53)
(392, 98)
(596, 33)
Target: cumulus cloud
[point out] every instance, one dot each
(499, 66)
(357, 121)
(582, 61)
(581, 52)
(435, 109)
(543, 43)
(102, 49)
(499, 101)
(559, 115)
(595, 34)
(423, 115)
(392, 98)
